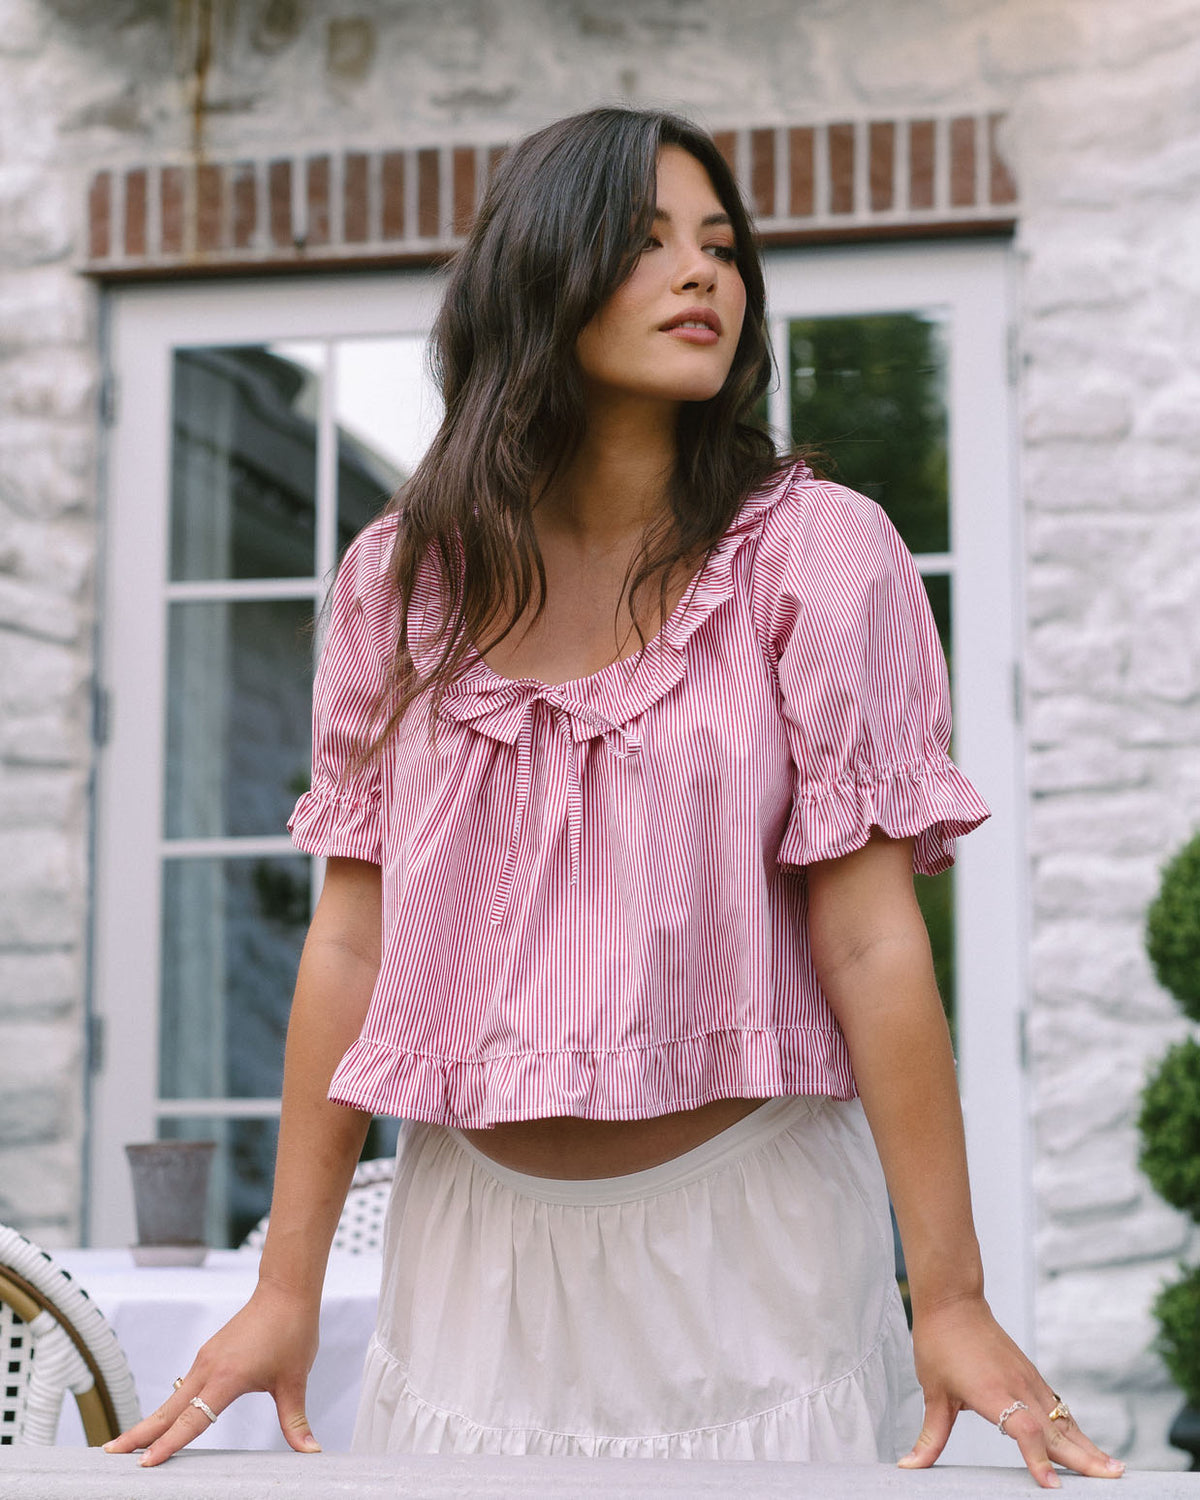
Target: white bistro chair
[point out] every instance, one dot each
(54, 1339)
(360, 1227)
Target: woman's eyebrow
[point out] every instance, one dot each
(705, 222)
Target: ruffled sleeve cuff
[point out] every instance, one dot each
(338, 825)
(931, 802)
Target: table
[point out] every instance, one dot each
(162, 1315)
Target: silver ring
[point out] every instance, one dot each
(203, 1405)
(1006, 1413)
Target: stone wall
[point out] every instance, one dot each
(1103, 132)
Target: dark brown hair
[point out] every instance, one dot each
(560, 228)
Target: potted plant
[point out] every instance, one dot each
(1169, 1124)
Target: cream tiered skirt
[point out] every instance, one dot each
(736, 1302)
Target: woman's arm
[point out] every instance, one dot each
(271, 1343)
(872, 955)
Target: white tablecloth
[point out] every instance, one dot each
(162, 1315)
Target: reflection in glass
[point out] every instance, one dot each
(243, 1165)
(869, 392)
(239, 692)
(232, 930)
(387, 411)
(244, 461)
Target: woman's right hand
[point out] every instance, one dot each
(268, 1346)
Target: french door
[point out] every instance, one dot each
(257, 427)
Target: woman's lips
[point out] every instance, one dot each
(692, 333)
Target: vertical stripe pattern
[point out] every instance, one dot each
(594, 902)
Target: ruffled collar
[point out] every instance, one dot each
(603, 703)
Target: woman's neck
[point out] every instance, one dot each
(615, 486)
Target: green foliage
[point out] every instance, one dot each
(1177, 1310)
(868, 392)
(1173, 929)
(1170, 1128)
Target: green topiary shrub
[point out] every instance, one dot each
(1169, 1123)
(1177, 1310)
(1173, 929)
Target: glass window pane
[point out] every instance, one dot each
(387, 410)
(244, 461)
(243, 1167)
(937, 587)
(232, 930)
(239, 697)
(869, 392)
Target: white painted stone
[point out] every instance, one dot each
(1025, 41)
(40, 1186)
(1070, 272)
(1095, 652)
(24, 29)
(52, 739)
(1097, 409)
(36, 1054)
(46, 469)
(1123, 823)
(49, 383)
(35, 674)
(43, 983)
(37, 611)
(1098, 1324)
(46, 306)
(42, 878)
(1172, 415)
(1104, 888)
(31, 797)
(35, 225)
(1152, 1233)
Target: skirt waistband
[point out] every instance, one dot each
(747, 1134)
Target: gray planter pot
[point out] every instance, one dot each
(170, 1198)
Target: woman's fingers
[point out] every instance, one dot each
(189, 1424)
(1044, 1443)
(143, 1433)
(934, 1435)
(289, 1403)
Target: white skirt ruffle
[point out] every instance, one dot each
(737, 1302)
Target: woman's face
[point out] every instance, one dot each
(670, 330)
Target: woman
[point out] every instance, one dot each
(628, 739)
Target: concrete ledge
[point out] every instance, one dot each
(212, 1474)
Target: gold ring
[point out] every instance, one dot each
(177, 1382)
(1061, 1410)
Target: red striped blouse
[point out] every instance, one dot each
(593, 892)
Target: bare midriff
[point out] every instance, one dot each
(565, 1147)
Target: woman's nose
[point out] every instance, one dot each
(695, 272)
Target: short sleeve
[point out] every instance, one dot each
(842, 612)
(340, 814)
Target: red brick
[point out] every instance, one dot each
(245, 204)
(1002, 187)
(356, 211)
(317, 190)
(800, 172)
(429, 206)
(135, 212)
(841, 169)
(279, 202)
(920, 163)
(170, 197)
(762, 172)
(882, 164)
(962, 161)
(726, 143)
(464, 188)
(100, 216)
(209, 207)
(392, 167)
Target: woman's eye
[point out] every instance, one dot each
(724, 252)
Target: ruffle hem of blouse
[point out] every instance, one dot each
(685, 1073)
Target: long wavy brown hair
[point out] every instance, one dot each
(560, 228)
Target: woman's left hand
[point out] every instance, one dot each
(965, 1361)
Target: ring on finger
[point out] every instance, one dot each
(177, 1382)
(1006, 1413)
(1061, 1412)
(202, 1405)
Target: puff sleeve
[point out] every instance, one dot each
(340, 814)
(842, 613)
